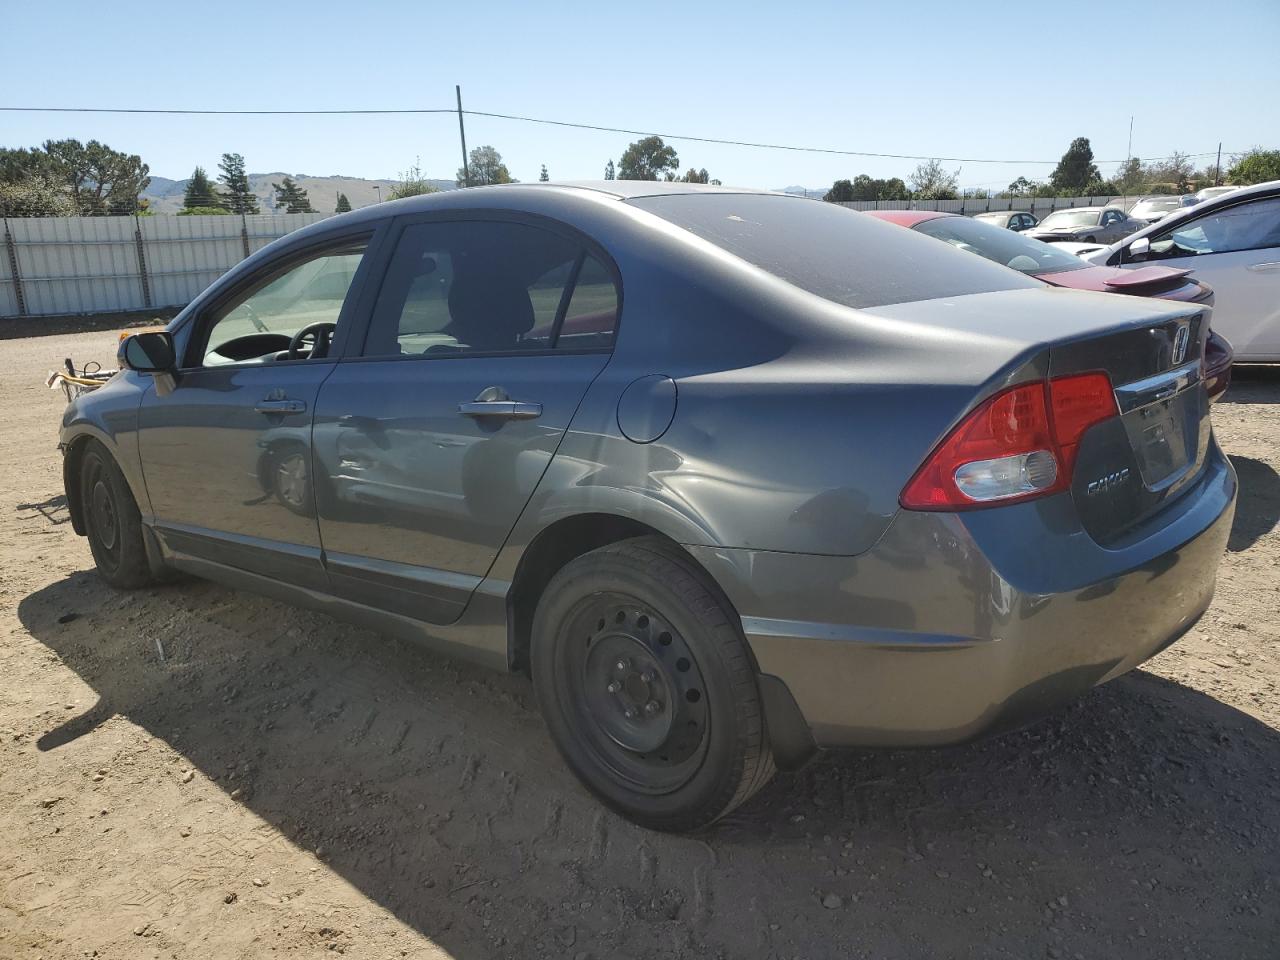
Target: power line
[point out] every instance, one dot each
(577, 126)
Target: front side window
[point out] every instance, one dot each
(466, 287)
(1245, 226)
(289, 314)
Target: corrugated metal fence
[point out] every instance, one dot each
(1040, 206)
(69, 265)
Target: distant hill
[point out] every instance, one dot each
(166, 195)
(816, 192)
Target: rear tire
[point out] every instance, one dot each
(648, 687)
(112, 521)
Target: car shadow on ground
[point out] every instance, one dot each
(1140, 821)
(1257, 504)
(1253, 383)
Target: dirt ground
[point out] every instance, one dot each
(192, 772)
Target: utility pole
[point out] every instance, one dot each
(462, 133)
(1217, 167)
(1127, 157)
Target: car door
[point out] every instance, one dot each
(485, 335)
(226, 455)
(1236, 251)
(1111, 226)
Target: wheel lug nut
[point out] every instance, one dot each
(652, 707)
(648, 676)
(629, 713)
(614, 686)
(622, 664)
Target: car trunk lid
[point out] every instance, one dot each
(1129, 467)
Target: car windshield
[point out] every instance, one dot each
(1072, 218)
(835, 253)
(1003, 246)
(1157, 205)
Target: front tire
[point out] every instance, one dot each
(112, 521)
(647, 686)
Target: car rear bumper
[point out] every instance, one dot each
(955, 625)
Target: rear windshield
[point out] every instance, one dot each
(829, 250)
(1003, 246)
(1072, 218)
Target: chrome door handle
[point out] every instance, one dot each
(506, 409)
(1263, 267)
(277, 407)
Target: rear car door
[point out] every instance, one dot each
(1236, 251)
(485, 335)
(227, 454)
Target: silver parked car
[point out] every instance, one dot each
(1232, 242)
(731, 475)
(1153, 209)
(1086, 224)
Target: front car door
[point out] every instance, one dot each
(226, 456)
(484, 338)
(1236, 251)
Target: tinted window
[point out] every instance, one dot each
(1002, 246)
(478, 287)
(831, 251)
(593, 309)
(1245, 226)
(261, 321)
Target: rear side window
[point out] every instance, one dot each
(466, 287)
(828, 250)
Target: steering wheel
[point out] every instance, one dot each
(317, 336)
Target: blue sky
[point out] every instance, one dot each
(968, 79)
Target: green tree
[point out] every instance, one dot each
(930, 181)
(34, 196)
(1256, 166)
(1020, 187)
(292, 197)
(609, 171)
(1075, 170)
(485, 166)
(412, 183)
(343, 205)
(102, 181)
(1169, 175)
(647, 159)
(204, 212)
(200, 192)
(696, 176)
(543, 177)
(237, 195)
(841, 192)
(18, 164)
(1131, 178)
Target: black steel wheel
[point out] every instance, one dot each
(647, 685)
(112, 521)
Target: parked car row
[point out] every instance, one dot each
(732, 476)
(1049, 264)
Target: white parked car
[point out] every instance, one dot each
(1232, 242)
(1212, 193)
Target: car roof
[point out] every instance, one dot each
(1086, 209)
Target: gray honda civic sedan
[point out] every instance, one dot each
(732, 476)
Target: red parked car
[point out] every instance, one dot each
(1046, 262)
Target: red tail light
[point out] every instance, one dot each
(1017, 445)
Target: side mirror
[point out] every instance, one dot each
(150, 352)
(1139, 249)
